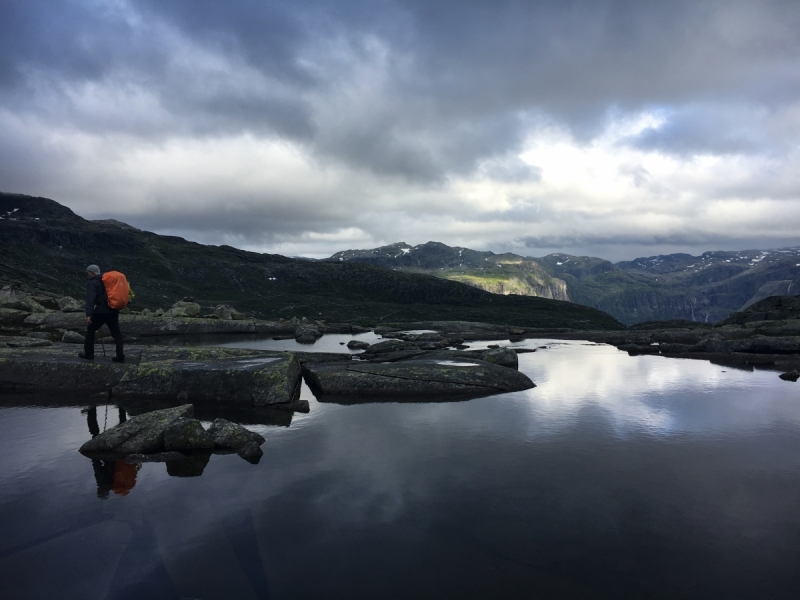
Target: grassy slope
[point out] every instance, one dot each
(47, 248)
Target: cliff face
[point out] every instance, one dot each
(704, 288)
(503, 274)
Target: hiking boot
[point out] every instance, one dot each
(118, 359)
(83, 354)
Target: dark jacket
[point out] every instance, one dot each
(96, 300)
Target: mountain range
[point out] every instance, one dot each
(703, 288)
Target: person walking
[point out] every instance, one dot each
(98, 314)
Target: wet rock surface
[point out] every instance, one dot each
(415, 379)
(172, 436)
(142, 434)
(187, 434)
(225, 376)
(232, 436)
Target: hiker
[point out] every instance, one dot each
(98, 314)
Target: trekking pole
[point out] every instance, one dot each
(102, 343)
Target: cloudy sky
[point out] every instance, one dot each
(304, 127)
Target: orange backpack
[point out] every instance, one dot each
(117, 289)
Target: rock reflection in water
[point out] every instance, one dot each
(111, 475)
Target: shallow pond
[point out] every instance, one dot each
(615, 477)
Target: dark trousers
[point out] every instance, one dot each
(98, 320)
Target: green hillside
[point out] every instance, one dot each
(45, 247)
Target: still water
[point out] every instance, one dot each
(616, 477)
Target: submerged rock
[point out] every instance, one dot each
(142, 434)
(232, 436)
(357, 345)
(790, 376)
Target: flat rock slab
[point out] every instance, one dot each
(414, 380)
(143, 434)
(229, 376)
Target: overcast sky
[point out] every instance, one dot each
(611, 128)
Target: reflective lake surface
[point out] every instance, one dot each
(616, 477)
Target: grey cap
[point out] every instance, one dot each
(94, 269)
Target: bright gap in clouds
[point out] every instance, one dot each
(557, 193)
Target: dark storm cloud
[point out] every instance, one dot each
(396, 99)
(457, 77)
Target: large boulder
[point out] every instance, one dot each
(183, 309)
(186, 434)
(18, 300)
(307, 335)
(357, 345)
(224, 312)
(505, 357)
(67, 304)
(142, 434)
(232, 436)
(12, 316)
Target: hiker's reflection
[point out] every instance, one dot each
(94, 426)
(111, 475)
(114, 476)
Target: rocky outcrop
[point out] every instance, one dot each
(12, 316)
(410, 380)
(18, 300)
(142, 434)
(170, 435)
